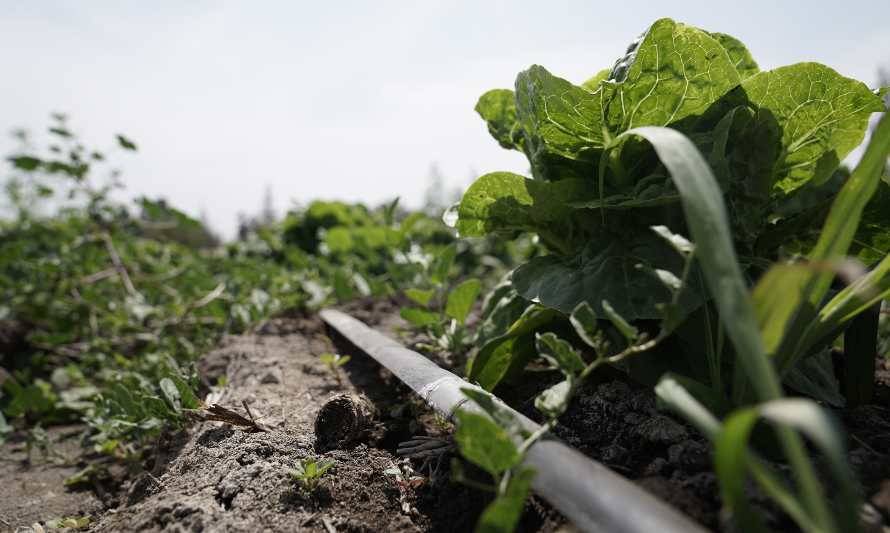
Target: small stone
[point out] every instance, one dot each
(270, 378)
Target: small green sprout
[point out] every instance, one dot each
(333, 362)
(69, 522)
(309, 471)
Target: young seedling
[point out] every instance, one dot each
(333, 362)
(309, 471)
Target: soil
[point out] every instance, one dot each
(219, 477)
(33, 487)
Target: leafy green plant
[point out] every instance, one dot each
(443, 308)
(114, 303)
(492, 446)
(333, 362)
(70, 523)
(309, 471)
(623, 152)
(598, 187)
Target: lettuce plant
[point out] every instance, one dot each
(773, 140)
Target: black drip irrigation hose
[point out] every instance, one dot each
(593, 497)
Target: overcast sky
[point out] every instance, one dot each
(347, 100)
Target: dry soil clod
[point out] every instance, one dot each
(344, 420)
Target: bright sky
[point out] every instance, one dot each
(348, 100)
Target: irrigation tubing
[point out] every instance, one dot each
(593, 497)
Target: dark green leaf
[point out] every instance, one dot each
(126, 143)
(25, 162)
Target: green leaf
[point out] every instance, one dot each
(419, 317)
(442, 263)
(708, 222)
(503, 202)
(554, 401)
(462, 298)
(561, 123)
(605, 270)
(814, 377)
(738, 54)
(777, 296)
(821, 115)
(126, 143)
(623, 326)
(25, 162)
(677, 72)
(503, 514)
(501, 308)
(678, 399)
(594, 81)
(853, 300)
(485, 444)
(804, 416)
(559, 353)
(511, 351)
(171, 393)
(498, 108)
(420, 296)
(584, 320)
(497, 410)
(801, 329)
(872, 241)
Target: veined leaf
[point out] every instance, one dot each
(605, 270)
(503, 201)
(678, 72)
(594, 81)
(560, 121)
(738, 54)
(821, 115)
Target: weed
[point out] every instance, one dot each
(333, 362)
(309, 471)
